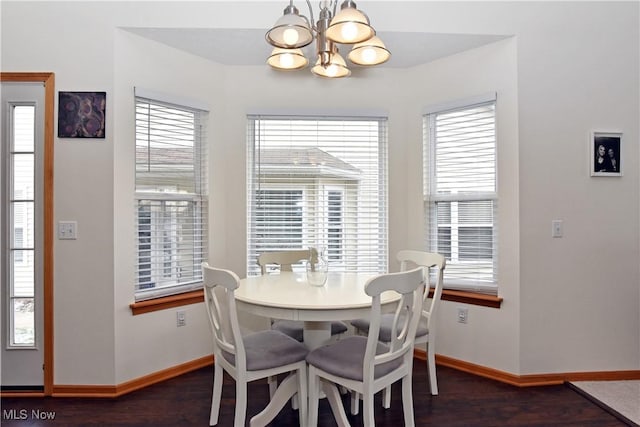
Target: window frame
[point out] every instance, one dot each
(319, 186)
(431, 198)
(173, 203)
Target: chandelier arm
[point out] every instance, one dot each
(313, 21)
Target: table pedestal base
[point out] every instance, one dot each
(316, 334)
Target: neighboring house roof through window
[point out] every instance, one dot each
(305, 161)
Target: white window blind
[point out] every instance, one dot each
(171, 198)
(460, 194)
(318, 182)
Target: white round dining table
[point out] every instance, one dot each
(288, 295)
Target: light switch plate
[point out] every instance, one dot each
(67, 230)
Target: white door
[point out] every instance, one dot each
(21, 232)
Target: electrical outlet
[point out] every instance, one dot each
(463, 315)
(556, 228)
(181, 318)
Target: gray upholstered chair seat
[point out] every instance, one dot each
(386, 321)
(345, 358)
(295, 329)
(270, 349)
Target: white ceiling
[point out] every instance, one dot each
(248, 46)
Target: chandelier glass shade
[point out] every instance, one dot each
(349, 26)
(291, 31)
(336, 67)
(287, 59)
(369, 52)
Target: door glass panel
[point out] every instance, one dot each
(22, 228)
(22, 224)
(23, 277)
(23, 128)
(23, 176)
(23, 332)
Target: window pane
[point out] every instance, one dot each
(23, 176)
(477, 211)
(24, 128)
(335, 236)
(465, 150)
(170, 244)
(444, 241)
(23, 331)
(278, 220)
(165, 149)
(476, 243)
(22, 218)
(23, 273)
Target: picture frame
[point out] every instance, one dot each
(606, 153)
(82, 114)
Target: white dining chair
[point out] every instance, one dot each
(252, 357)
(364, 364)
(434, 265)
(277, 261)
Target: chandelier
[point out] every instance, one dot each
(349, 26)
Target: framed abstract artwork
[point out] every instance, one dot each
(81, 114)
(606, 153)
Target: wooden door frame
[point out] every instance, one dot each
(48, 79)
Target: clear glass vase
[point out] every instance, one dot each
(317, 268)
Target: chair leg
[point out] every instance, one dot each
(355, 402)
(216, 395)
(407, 401)
(367, 409)
(273, 385)
(241, 402)
(431, 369)
(303, 398)
(386, 397)
(314, 391)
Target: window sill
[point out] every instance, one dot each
(164, 303)
(472, 298)
(195, 297)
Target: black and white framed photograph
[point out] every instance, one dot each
(606, 154)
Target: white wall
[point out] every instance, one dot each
(560, 76)
(578, 294)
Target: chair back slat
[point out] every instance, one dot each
(284, 260)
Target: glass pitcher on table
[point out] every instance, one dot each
(317, 267)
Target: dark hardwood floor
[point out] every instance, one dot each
(464, 400)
